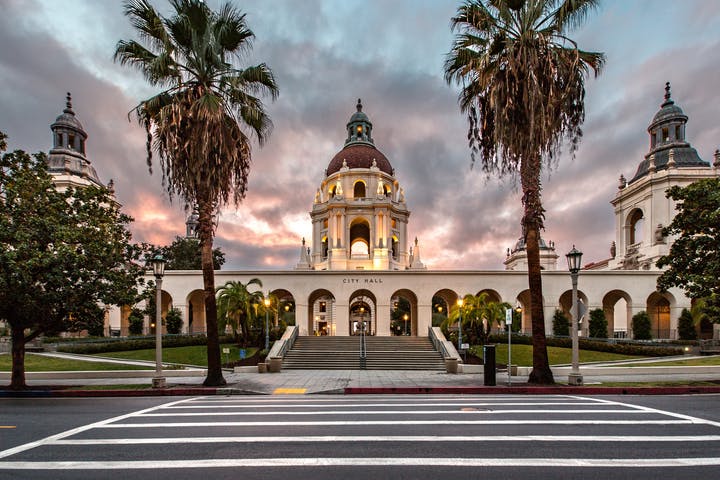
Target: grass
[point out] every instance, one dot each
(713, 360)
(195, 355)
(522, 355)
(41, 363)
(677, 383)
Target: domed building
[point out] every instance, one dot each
(359, 214)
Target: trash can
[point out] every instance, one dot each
(489, 365)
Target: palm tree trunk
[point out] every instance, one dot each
(214, 373)
(532, 222)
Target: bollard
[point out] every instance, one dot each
(489, 365)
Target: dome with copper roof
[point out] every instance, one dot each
(359, 150)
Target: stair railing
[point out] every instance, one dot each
(363, 347)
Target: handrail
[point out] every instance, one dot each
(363, 348)
(442, 345)
(286, 342)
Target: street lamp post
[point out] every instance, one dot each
(459, 304)
(574, 258)
(405, 318)
(158, 264)
(267, 322)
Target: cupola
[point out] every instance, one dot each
(668, 147)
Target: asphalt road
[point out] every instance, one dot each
(360, 437)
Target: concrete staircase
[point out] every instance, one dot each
(383, 353)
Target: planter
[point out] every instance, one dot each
(262, 367)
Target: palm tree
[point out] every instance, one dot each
(523, 86)
(196, 124)
(237, 306)
(479, 313)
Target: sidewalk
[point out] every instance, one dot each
(361, 381)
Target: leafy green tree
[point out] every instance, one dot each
(197, 124)
(239, 306)
(136, 322)
(184, 254)
(479, 314)
(560, 324)
(686, 326)
(597, 326)
(173, 321)
(61, 255)
(523, 86)
(641, 326)
(693, 263)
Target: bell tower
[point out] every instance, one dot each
(359, 213)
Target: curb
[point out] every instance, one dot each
(531, 390)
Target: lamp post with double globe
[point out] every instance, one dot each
(267, 321)
(459, 304)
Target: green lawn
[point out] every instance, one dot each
(522, 355)
(195, 355)
(40, 363)
(712, 360)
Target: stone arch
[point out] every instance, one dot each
(166, 303)
(634, 225)
(493, 295)
(285, 311)
(362, 307)
(565, 302)
(442, 300)
(359, 189)
(659, 308)
(360, 237)
(523, 300)
(195, 322)
(321, 314)
(617, 306)
(124, 320)
(400, 324)
(705, 327)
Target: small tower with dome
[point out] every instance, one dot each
(641, 208)
(359, 214)
(67, 162)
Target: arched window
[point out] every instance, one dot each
(635, 224)
(360, 238)
(359, 189)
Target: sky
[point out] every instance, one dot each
(325, 55)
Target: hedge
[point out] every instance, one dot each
(168, 341)
(622, 348)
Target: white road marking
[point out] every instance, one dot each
(393, 438)
(74, 431)
(655, 410)
(386, 412)
(397, 422)
(355, 405)
(364, 462)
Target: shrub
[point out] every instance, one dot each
(641, 326)
(686, 326)
(597, 328)
(173, 321)
(136, 322)
(560, 324)
(136, 344)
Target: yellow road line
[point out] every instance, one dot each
(289, 391)
(7, 426)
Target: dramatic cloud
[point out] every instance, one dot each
(327, 54)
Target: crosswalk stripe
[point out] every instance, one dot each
(397, 422)
(364, 462)
(355, 405)
(392, 438)
(389, 412)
